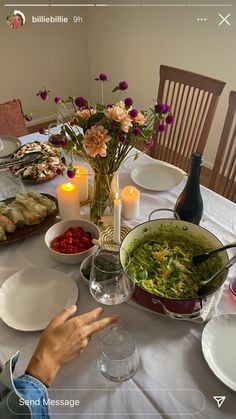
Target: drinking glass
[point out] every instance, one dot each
(66, 112)
(110, 285)
(109, 282)
(56, 136)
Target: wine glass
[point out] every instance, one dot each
(110, 285)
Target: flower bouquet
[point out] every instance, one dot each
(103, 136)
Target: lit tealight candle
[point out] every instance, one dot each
(117, 214)
(68, 201)
(81, 181)
(130, 198)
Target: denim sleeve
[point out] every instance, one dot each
(24, 397)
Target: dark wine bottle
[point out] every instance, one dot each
(189, 205)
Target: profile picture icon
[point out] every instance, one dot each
(16, 19)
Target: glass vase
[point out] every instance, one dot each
(105, 187)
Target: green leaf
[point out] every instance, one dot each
(136, 155)
(115, 89)
(100, 107)
(70, 132)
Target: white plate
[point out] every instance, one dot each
(30, 298)
(9, 145)
(157, 176)
(219, 346)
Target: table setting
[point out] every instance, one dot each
(169, 355)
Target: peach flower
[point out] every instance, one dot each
(85, 113)
(118, 113)
(95, 140)
(140, 119)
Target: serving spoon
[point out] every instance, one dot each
(198, 259)
(226, 267)
(25, 160)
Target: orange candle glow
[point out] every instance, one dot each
(81, 181)
(68, 201)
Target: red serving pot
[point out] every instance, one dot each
(176, 308)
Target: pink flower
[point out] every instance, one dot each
(28, 117)
(42, 131)
(149, 144)
(57, 99)
(43, 94)
(95, 140)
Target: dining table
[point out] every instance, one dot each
(173, 379)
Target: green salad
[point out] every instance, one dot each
(163, 266)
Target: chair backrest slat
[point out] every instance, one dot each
(193, 99)
(223, 177)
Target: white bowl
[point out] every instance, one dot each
(85, 264)
(59, 228)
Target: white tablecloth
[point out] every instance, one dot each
(173, 379)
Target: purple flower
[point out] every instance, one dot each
(159, 107)
(58, 171)
(133, 113)
(110, 105)
(122, 138)
(28, 117)
(63, 142)
(123, 85)
(43, 94)
(42, 131)
(114, 124)
(166, 108)
(71, 173)
(128, 102)
(150, 143)
(136, 131)
(161, 127)
(169, 119)
(80, 101)
(57, 99)
(103, 77)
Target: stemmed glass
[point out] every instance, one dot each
(110, 284)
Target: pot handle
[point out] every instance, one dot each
(178, 316)
(176, 215)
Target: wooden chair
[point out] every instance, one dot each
(223, 177)
(11, 119)
(193, 99)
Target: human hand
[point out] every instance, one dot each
(63, 340)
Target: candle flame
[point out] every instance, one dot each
(117, 195)
(131, 191)
(68, 187)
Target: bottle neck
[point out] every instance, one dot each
(195, 171)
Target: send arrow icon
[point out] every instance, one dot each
(219, 400)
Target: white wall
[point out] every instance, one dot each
(129, 43)
(50, 55)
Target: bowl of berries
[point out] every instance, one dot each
(71, 241)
